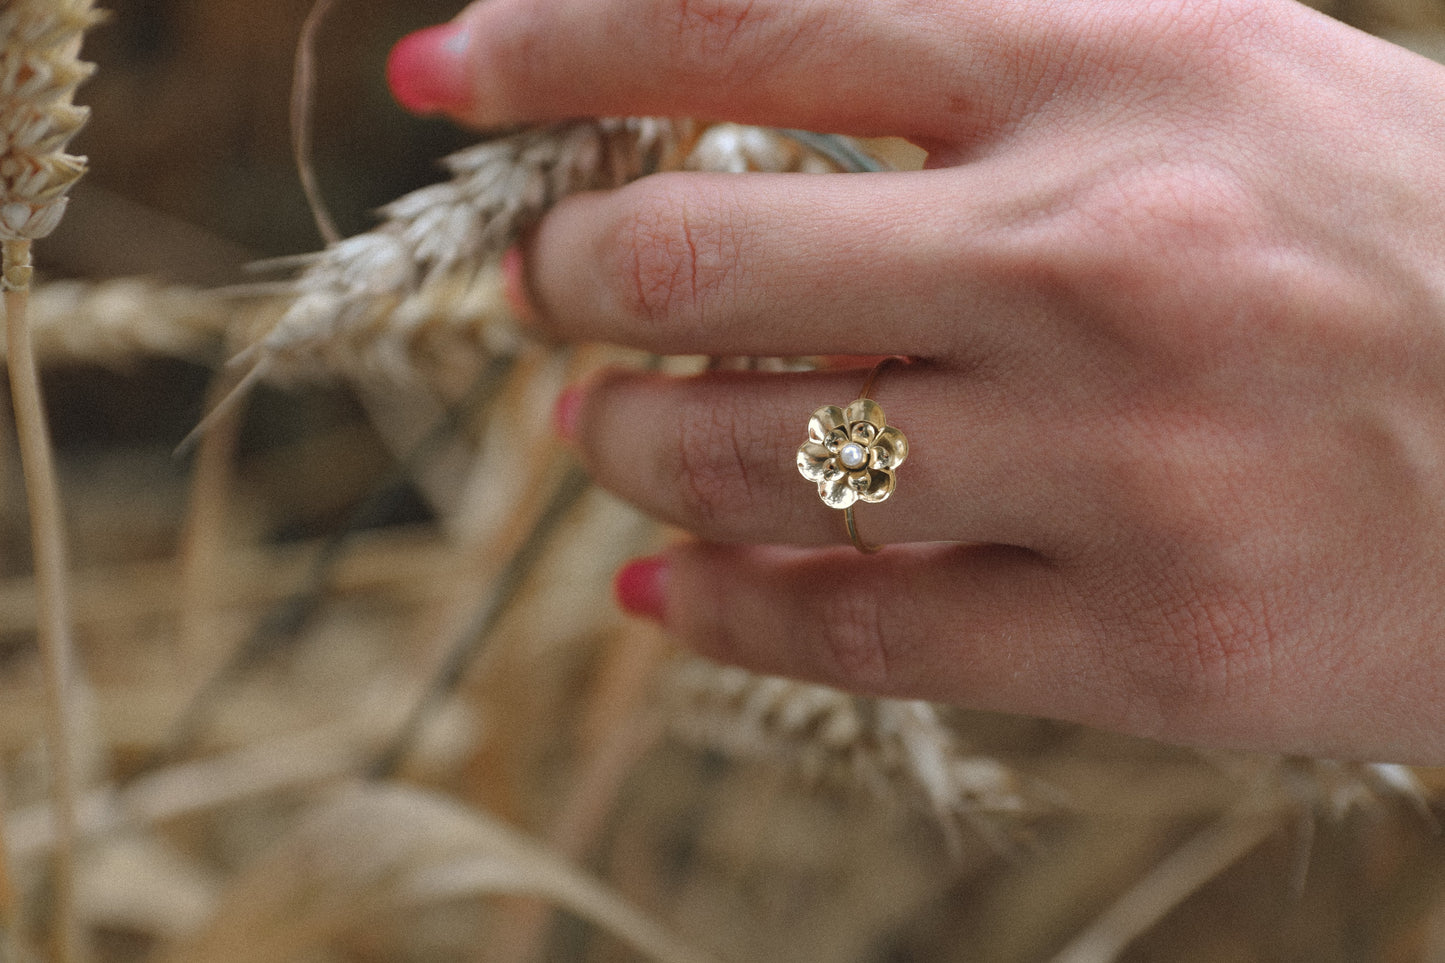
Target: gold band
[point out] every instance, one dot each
(851, 454)
(878, 370)
(852, 522)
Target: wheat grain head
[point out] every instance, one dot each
(365, 303)
(39, 72)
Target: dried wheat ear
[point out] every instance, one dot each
(38, 76)
(422, 285)
(896, 748)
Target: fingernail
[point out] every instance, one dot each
(566, 411)
(514, 285)
(427, 71)
(641, 587)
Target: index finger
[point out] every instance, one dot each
(926, 70)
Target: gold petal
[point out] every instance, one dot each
(890, 449)
(864, 433)
(813, 460)
(880, 486)
(836, 492)
(824, 420)
(866, 410)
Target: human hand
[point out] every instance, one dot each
(1175, 281)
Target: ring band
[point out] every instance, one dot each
(851, 454)
(851, 520)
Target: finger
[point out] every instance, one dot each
(986, 627)
(1002, 629)
(949, 66)
(776, 264)
(718, 455)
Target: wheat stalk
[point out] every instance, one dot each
(1306, 790)
(39, 72)
(113, 323)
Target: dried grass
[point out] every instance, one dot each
(293, 632)
(378, 851)
(39, 71)
(119, 322)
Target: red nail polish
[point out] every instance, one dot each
(514, 285)
(565, 412)
(641, 587)
(427, 69)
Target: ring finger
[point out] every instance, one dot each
(717, 454)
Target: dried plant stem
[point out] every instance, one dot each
(313, 757)
(286, 622)
(9, 897)
(463, 650)
(53, 630)
(536, 872)
(618, 730)
(1206, 855)
(408, 566)
(303, 96)
(203, 534)
(9, 463)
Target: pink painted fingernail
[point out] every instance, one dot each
(566, 411)
(427, 69)
(641, 587)
(514, 285)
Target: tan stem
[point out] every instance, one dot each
(48, 545)
(203, 535)
(621, 731)
(1219, 846)
(9, 896)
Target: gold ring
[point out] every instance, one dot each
(852, 453)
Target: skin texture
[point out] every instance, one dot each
(1175, 281)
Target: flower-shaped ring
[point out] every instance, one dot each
(852, 453)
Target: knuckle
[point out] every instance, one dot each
(1202, 30)
(712, 471)
(1170, 211)
(726, 42)
(856, 640)
(1156, 233)
(678, 260)
(1200, 659)
(1151, 35)
(1217, 640)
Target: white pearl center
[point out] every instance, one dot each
(852, 456)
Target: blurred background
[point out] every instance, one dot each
(258, 618)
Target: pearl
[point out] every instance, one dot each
(853, 456)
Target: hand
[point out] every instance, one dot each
(1175, 281)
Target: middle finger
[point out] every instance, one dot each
(714, 263)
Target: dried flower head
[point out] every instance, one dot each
(38, 76)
